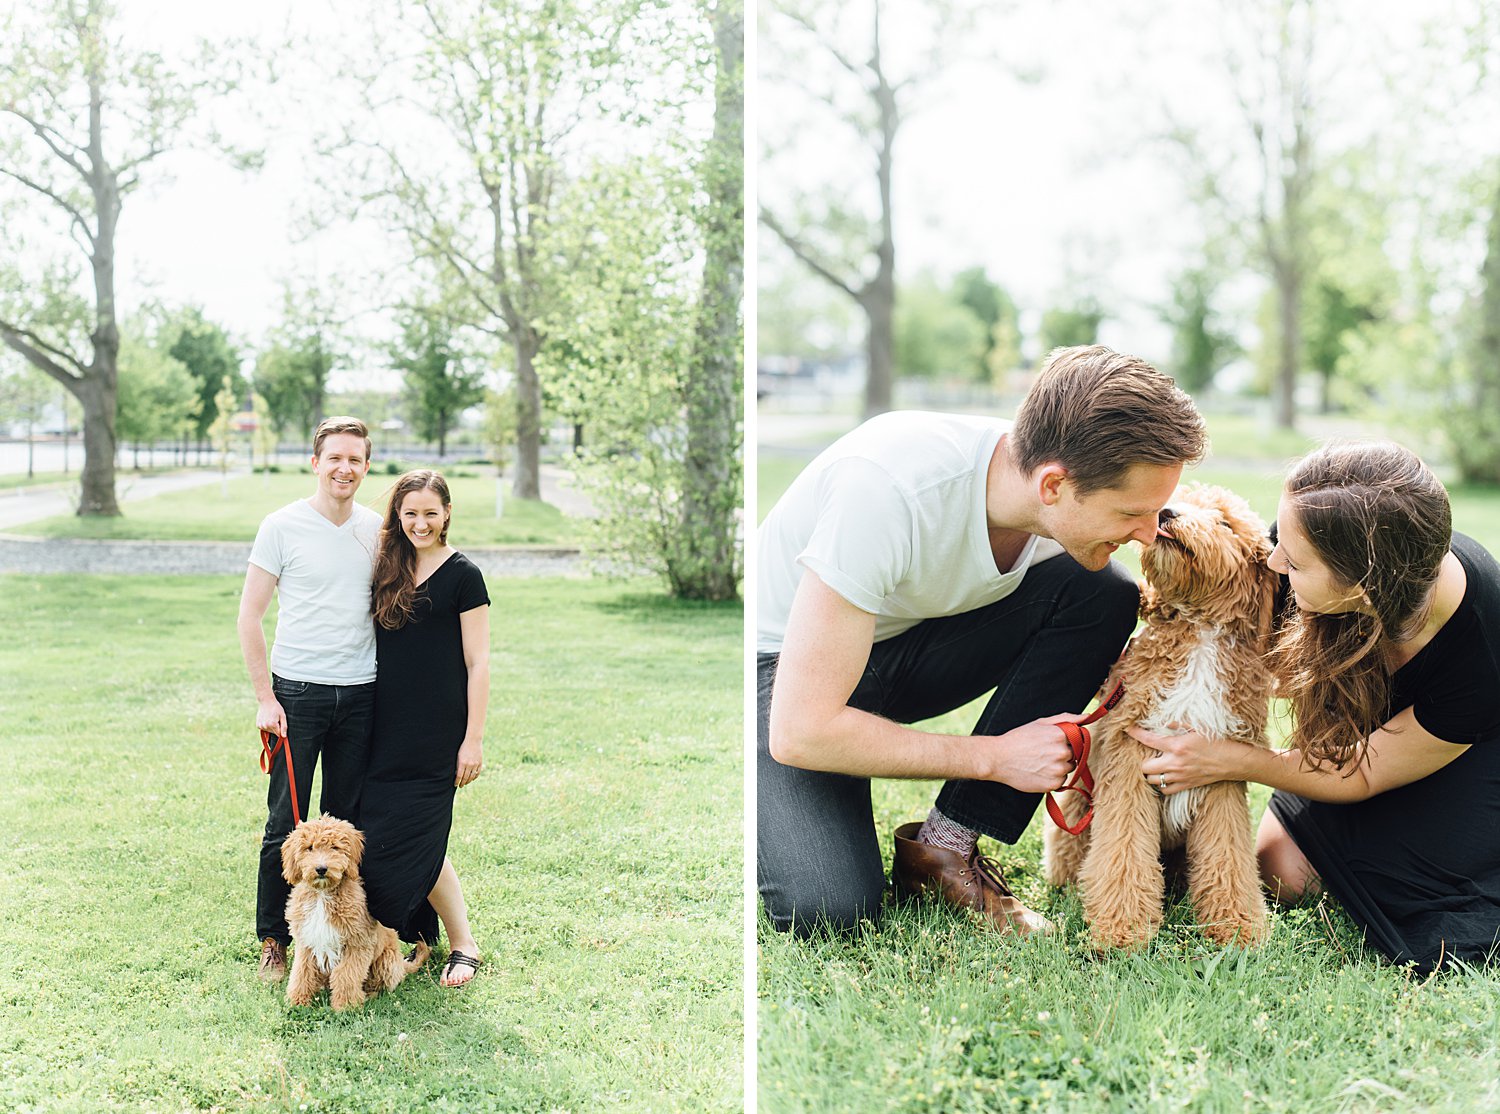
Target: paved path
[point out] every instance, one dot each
(74, 555)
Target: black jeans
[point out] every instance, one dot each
(331, 720)
(1044, 649)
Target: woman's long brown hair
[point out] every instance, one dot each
(1381, 522)
(393, 588)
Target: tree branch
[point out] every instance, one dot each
(62, 202)
(804, 253)
(42, 130)
(41, 354)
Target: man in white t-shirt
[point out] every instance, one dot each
(918, 563)
(319, 690)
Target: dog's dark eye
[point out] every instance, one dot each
(1224, 524)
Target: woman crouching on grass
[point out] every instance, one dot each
(1389, 796)
(432, 685)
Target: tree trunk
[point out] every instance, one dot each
(880, 346)
(703, 561)
(879, 297)
(1289, 309)
(528, 481)
(1476, 427)
(97, 493)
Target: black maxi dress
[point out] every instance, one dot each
(1418, 868)
(421, 714)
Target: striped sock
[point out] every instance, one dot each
(941, 831)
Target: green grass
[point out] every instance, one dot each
(600, 853)
(215, 512)
(930, 1013)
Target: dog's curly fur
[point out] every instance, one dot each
(339, 945)
(1199, 661)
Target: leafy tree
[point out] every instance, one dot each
(1475, 429)
(1258, 177)
(513, 91)
(1202, 344)
(1076, 323)
(630, 313)
(439, 385)
(292, 373)
(158, 396)
(703, 560)
(205, 349)
(263, 439)
(82, 115)
(221, 431)
(937, 335)
(849, 245)
(988, 301)
(801, 317)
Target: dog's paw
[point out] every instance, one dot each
(1243, 933)
(349, 1001)
(299, 998)
(1120, 935)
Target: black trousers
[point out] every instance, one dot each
(1044, 649)
(333, 721)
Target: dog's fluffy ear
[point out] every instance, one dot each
(356, 850)
(292, 847)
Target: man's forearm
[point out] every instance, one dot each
(861, 743)
(253, 647)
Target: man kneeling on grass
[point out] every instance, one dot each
(919, 562)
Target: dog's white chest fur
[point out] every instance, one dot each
(1195, 702)
(319, 936)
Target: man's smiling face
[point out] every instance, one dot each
(341, 466)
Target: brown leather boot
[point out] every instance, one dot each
(272, 960)
(972, 883)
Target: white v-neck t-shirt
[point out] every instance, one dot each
(891, 516)
(324, 630)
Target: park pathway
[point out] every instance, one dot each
(20, 554)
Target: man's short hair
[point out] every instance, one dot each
(341, 424)
(1097, 412)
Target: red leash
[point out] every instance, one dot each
(1083, 781)
(268, 763)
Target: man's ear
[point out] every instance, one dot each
(1049, 479)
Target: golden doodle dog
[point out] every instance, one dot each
(1198, 664)
(339, 945)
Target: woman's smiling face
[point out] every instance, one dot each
(1313, 583)
(423, 519)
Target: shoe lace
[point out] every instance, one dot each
(988, 871)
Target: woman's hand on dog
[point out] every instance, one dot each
(1187, 760)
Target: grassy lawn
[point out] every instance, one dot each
(600, 853)
(930, 1013)
(232, 512)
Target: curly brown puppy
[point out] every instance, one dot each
(1199, 664)
(339, 945)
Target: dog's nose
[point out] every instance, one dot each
(322, 870)
(1167, 515)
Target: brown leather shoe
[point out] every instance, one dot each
(272, 960)
(972, 883)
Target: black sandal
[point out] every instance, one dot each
(455, 960)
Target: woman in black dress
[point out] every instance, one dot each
(1389, 796)
(432, 641)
